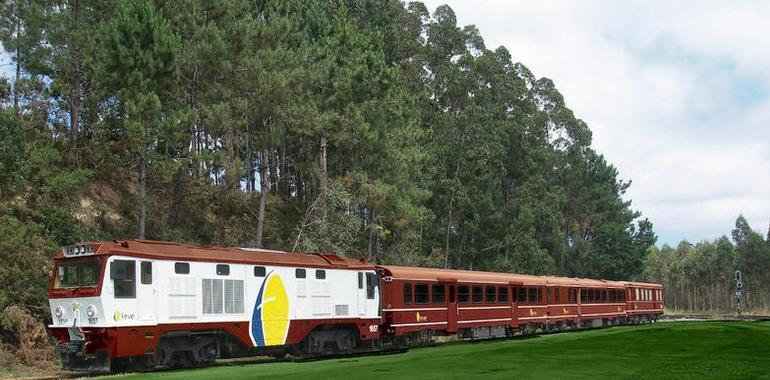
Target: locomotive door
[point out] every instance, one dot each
(361, 294)
(451, 309)
(146, 297)
(514, 292)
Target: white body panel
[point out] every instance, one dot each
(178, 298)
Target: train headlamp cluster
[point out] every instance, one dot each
(59, 312)
(78, 250)
(91, 311)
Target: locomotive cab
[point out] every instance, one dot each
(91, 293)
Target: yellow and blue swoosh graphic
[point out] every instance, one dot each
(270, 319)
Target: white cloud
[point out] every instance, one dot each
(676, 94)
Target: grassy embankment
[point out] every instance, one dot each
(717, 350)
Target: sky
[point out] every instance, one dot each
(677, 95)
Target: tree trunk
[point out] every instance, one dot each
(142, 193)
(324, 178)
(264, 188)
(18, 65)
(76, 94)
(446, 237)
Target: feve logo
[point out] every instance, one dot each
(118, 316)
(270, 318)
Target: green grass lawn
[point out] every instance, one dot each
(715, 350)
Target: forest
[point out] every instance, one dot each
(370, 128)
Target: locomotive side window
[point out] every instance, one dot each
(360, 280)
(477, 294)
(438, 293)
(146, 273)
(259, 272)
(463, 295)
(372, 281)
(320, 274)
(407, 294)
(421, 295)
(300, 273)
(491, 295)
(123, 275)
(223, 270)
(502, 294)
(182, 268)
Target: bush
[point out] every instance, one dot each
(25, 341)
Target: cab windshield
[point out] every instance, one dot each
(75, 274)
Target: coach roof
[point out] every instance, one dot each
(184, 252)
(435, 274)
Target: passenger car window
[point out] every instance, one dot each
(491, 295)
(407, 294)
(502, 294)
(438, 293)
(463, 295)
(532, 295)
(478, 294)
(421, 295)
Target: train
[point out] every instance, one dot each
(134, 305)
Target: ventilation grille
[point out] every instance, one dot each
(341, 310)
(222, 296)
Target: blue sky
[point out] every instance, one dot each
(676, 94)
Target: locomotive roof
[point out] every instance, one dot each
(184, 252)
(437, 274)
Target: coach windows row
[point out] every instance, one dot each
(529, 295)
(617, 295)
(648, 294)
(418, 294)
(588, 295)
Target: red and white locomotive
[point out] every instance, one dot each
(140, 304)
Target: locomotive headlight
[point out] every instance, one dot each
(91, 311)
(59, 312)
